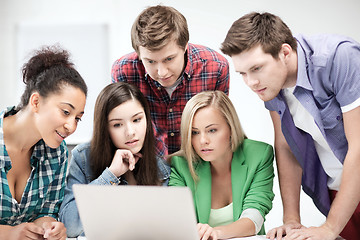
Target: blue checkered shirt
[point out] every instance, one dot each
(44, 190)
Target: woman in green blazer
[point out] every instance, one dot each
(231, 177)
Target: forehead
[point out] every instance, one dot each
(208, 115)
(245, 60)
(126, 110)
(170, 48)
(68, 94)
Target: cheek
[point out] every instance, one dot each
(115, 136)
(150, 69)
(195, 143)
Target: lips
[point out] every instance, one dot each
(206, 150)
(61, 135)
(165, 79)
(132, 142)
(259, 91)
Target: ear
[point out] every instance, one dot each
(34, 101)
(186, 47)
(285, 51)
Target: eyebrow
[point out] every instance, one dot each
(70, 105)
(210, 125)
(170, 56)
(119, 119)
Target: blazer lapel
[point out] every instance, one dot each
(203, 192)
(238, 178)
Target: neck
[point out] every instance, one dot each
(19, 131)
(222, 166)
(292, 71)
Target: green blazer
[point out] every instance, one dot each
(252, 175)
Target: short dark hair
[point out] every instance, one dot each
(253, 29)
(158, 25)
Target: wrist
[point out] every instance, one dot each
(331, 228)
(291, 220)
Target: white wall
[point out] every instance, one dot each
(208, 24)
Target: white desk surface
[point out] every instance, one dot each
(258, 237)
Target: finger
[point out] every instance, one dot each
(138, 155)
(279, 233)
(271, 234)
(201, 229)
(214, 235)
(207, 233)
(58, 230)
(34, 229)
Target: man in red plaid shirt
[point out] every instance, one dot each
(168, 70)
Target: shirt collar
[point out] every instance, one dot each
(4, 158)
(302, 76)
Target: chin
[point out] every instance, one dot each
(53, 145)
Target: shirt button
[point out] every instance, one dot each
(159, 88)
(279, 112)
(172, 134)
(338, 118)
(170, 110)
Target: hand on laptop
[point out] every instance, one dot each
(206, 232)
(122, 162)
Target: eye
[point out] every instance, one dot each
(77, 119)
(213, 130)
(137, 120)
(255, 69)
(151, 61)
(193, 133)
(169, 59)
(66, 112)
(116, 125)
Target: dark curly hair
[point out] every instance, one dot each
(47, 71)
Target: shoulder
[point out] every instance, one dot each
(203, 53)
(81, 149)
(128, 68)
(128, 59)
(255, 149)
(179, 162)
(321, 48)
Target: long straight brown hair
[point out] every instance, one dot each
(102, 149)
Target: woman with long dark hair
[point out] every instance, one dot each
(122, 149)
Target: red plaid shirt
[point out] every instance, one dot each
(205, 70)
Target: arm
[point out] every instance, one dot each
(348, 196)
(258, 199)
(68, 211)
(21, 232)
(176, 178)
(289, 173)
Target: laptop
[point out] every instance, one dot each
(136, 212)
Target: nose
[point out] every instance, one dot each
(204, 139)
(162, 70)
(70, 126)
(130, 130)
(251, 81)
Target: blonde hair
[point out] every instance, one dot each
(218, 100)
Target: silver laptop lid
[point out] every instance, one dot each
(136, 212)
